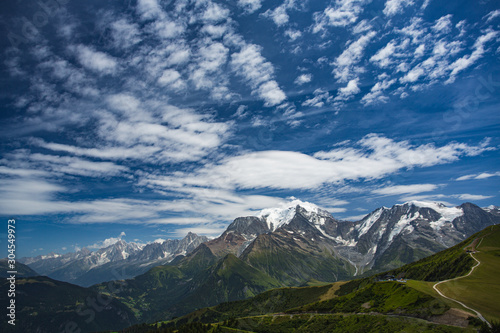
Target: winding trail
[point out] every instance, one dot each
(479, 315)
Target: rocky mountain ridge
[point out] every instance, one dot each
(117, 261)
(384, 239)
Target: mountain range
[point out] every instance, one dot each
(298, 244)
(301, 233)
(370, 304)
(121, 260)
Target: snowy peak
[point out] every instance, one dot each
(73, 266)
(277, 217)
(447, 214)
(421, 217)
(368, 221)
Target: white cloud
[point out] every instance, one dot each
(278, 15)
(393, 7)
(180, 220)
(149, 9)
(468, 60)
(28, 196)
(94, 60)
(107, 242)
(484, 175)
(271, 93)
(22, 172)
(361, 27)
(172, 79)
(125, 34)
(210, 59)
(259, 73)
(412, 75)
(443, 25)
(406, 189)
(77, 166)
(293, 34)
(416, 29)
(158, 134)
(354, 217)
(376, 93)
(168, 29)
(341, 14)
(214, 13)
(209, 231)
(250, 6)
(302, 79)
(348, 91)
(241, 112)
(492, 15)
(473, 197)
(376, 157)
(383, 56)
(344, 63)
(179, 56)
(320, 98)
(125, 103)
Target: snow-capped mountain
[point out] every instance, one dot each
(118, 261)
(306, 238)
(295, 243)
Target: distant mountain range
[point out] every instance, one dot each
(118, 261)
(298, 244)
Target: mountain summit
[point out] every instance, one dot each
(384, 239)
(277, 217)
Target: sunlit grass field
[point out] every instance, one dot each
(481, 289)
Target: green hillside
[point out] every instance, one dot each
(272, 301)
(22, 270)
(168, 291)
(307, 323)
(481, 289)
(382, 297)
(44, 305)
(293, 265)
(443, 265)
(364, 305)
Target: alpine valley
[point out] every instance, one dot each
(296, 245)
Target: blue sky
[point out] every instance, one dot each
(148, 119)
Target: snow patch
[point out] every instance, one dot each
(124, 254)
(403, 223)
(369, 221)
(277, 217)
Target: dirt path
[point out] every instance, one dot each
(479, 315)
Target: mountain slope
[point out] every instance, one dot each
(44, 305)
(292, 246)
(367, 295)
(172, 290)
(298, 242)
(447, 264)
(22, 270)
(480, 289)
